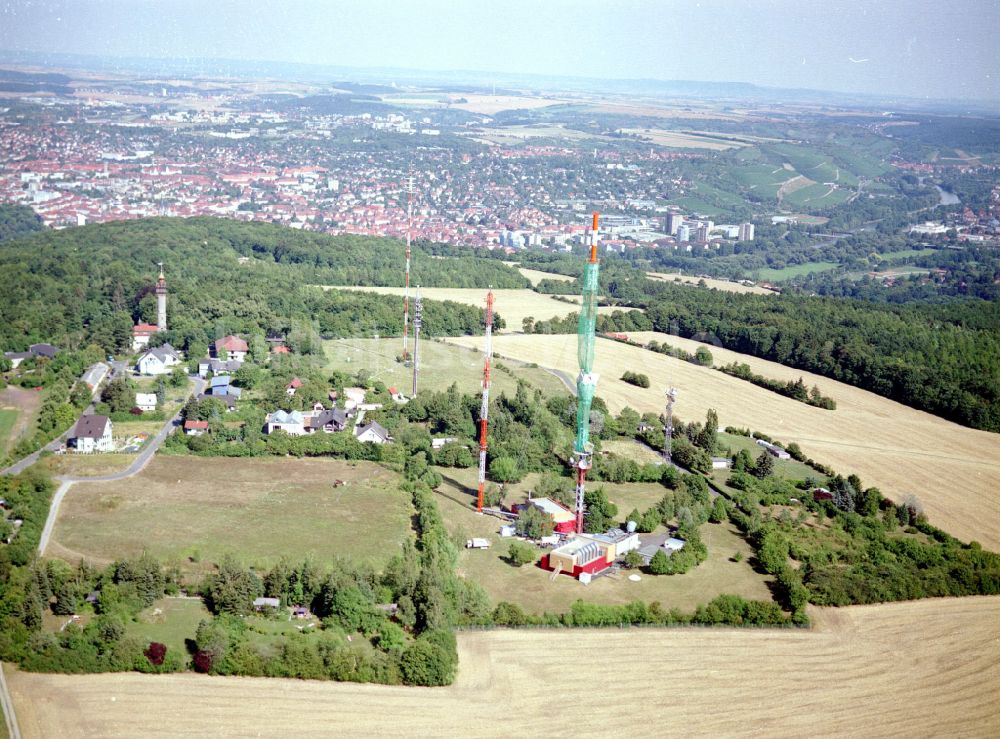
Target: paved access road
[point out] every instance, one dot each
(117, 368)
(140, 462)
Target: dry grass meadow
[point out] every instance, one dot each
(724, 285)
(921, 668)
(952, 469)
(256, 509)
(535, 276)
(21, 406)
(513, 305)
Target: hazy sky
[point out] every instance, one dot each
(922, 48)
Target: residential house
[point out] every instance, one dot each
(43, 350)
(141, 334)
(195, 428)
(291, 422)
(92, 434)
(17, 357)
(259, 604)
(441, 442)
(35, 350)
(158, 361)
(294, 385)
(396, 395)
(328, 421)
(353, 397)
(373, 433)
(145, 402)
(218, 367)
(234, 346)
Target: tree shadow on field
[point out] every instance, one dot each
(470, 491)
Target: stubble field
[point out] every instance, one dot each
(513, 305)
(724, 285)
(921, 668)
(952, 469)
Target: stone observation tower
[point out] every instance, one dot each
(161, 301)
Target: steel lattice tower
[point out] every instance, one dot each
(484, 409)
(418, 309)
(586, 381)
(668, 429)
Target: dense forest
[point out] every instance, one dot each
(89, 285)
(17, 220)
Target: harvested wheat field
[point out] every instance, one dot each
(724, 285)
(535, 276)
(952, 469)
(513, 305)
(926, 667)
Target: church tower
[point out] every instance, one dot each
(161, 301)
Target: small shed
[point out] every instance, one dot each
(259, 604)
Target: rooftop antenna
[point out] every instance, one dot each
(418, 309)
(668, 430)
(484, 409)
(406, 288)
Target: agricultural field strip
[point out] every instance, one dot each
(862, 670)
(512, 305)
(950, 468)
(725, 285)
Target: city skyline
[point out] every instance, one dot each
(891, 49)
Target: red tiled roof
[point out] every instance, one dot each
(140, 329)
(232, 344)
(196, 424)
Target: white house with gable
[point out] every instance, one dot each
(92, 434)
(158, 361)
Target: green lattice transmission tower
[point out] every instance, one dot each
(586, 381)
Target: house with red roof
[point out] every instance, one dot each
(235, 347)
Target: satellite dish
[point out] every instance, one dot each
(630, 527)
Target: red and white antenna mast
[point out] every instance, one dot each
(484, 409)
(406, 290)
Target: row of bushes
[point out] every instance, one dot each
(795, 389)
(729, 610)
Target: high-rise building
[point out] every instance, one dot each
(673, 222)
(684, 233)
(746, 232)
(701, 233)
(161, 301)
